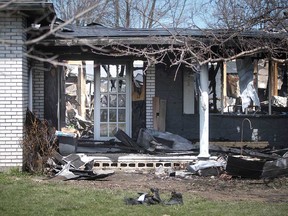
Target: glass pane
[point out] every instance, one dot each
(103, 85)
(122, 126)
(121, 100)
(112, 100)
(103, 115)
(112, 115)
(104, 100)
(103, 129)
(103, 71)
(111, 128)
(121, 71)
(113, 71)
(121, 115)
(122, 86)
(112, 85)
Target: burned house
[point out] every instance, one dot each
(97, 79)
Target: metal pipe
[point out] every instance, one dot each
(242, 127)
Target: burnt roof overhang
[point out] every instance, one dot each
(72, 35)
(71, 39)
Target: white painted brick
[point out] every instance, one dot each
(13, 85)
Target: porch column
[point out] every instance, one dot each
(204, 113)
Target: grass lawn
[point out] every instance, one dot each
(21, 195)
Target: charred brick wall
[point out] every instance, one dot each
(13, 88)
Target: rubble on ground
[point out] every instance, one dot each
(75, 167)
(226, 162)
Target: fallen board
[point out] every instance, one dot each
(235, 144)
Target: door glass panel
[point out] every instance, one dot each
(104, 85)
(113, 85)
(113, 89)
(121, 100)
(113, 69)
(122, 127)
(103, 130)
(112, 100)
(112, 115)
(104, 100)
(103, 71)
(122, 86)
(121, 115)
(104, 115)
(122, 71)
(111, 128)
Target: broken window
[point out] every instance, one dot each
(246, 85)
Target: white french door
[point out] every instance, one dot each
(112, 104)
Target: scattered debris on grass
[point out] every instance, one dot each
(153, 197)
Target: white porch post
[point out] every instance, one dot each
(204, 113)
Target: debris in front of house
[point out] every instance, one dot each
(275, 169)
(242, 151)
(244, 168)
(153, 197)
(163, 171)
(207, 167)
(69, 143)
(163, 141)
(124, 138)
(181, 173)
(242, 162)
(75, 167)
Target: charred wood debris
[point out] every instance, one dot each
(229, 162)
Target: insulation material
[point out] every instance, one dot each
(247, 90)
(233, 86)
(279, 101)
(262, 74)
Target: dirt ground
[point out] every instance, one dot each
(212, 188)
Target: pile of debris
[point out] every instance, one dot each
(74, 167)
(230, 167)
(149, 141)
(226, 162)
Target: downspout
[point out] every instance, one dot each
(204, 113)
(30, 100)
(59, 98)
(269, 87)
